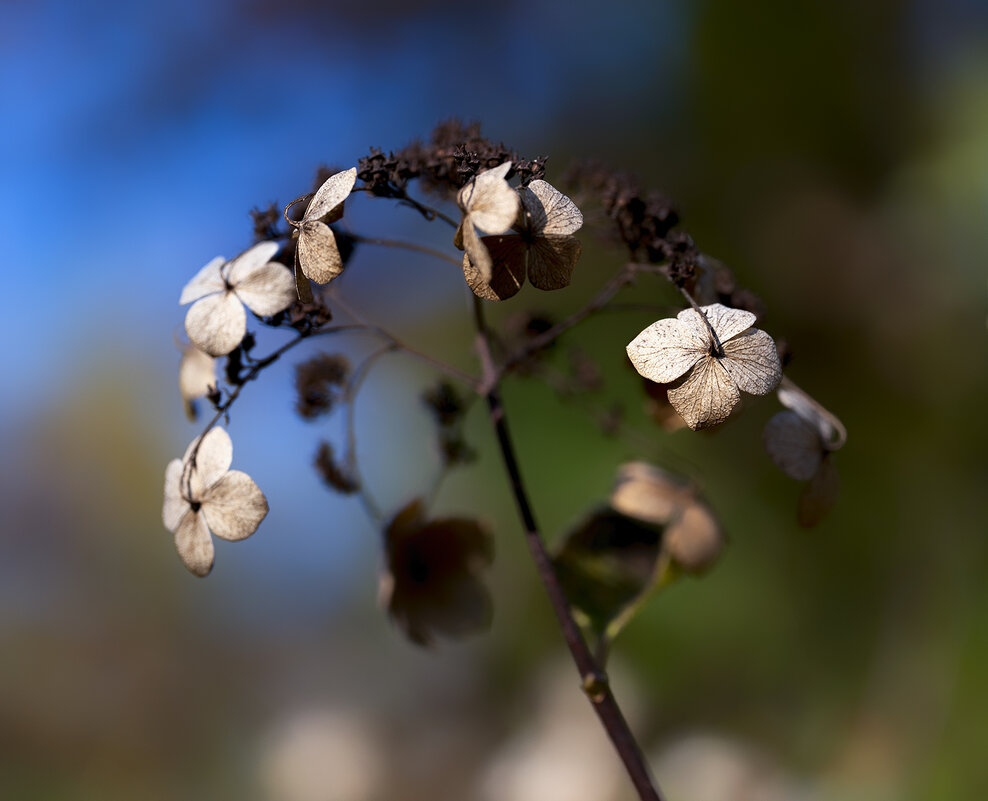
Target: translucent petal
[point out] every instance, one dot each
(491, 202)
(507, 271)
(477, 253)
(551, 212)
(268, 289)
(196, 373)
(666, 349)
(725, 321)
(334, 191)
(706, 396)
(752, 360)
(551, 260)
(831, 429)
(793, 444)
(647, 493)
(205, 282)
(175, 505)
(695, 539)
(248, 262)
(819, 496)
(213, 459)
(234, 506)
(193, 543)
(216, 324)
(318, 254)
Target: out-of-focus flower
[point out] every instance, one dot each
(544, 246)
(317, 254)
(196, 377)
(216, 322)
(430, 584)
(710, 372)
(800, 441)
(203, 495)
(489, 203)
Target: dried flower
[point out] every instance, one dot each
(430, 584)
(318, 256)
(216, 322)
(543, 247)
(710, 371)
(319, 384)
(336, 474)
(196, 377)
(203, 495)
(489, 203)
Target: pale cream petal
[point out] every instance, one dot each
(205, 282)
(507, 271)
(752, 360)
(268, 290)
(175, 505)
(725, 321)
(492, 203)
(695, 540)
(196, 373)
(234, 506)
(645, 492)
(551, 212)
(820, 495)
(706, 396)
(216, 324)
(318, 255)
(793, 444)
(334, 191)
(193, 543)
(213, 459)
(665, 350)
(551, 260)
(477, 252)
(248, 262)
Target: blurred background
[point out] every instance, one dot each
(835, 155)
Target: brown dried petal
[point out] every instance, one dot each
(551, 260)
(706, 396)
(507, 268)
(550, 212)
(752, 362)
(645, 492)
(318, 254)
(234, 506)
(794, 445)
(695, 540)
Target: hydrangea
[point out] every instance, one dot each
(544, 246)
(216, 322)
(196, 377)
(709, 372)
(203, 495)
(489, 203)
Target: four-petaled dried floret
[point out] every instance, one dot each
(711, 356)
(203, 495)
(489, 203)
(216, 322)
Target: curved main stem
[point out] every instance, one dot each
(595, 682)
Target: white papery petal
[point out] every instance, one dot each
(216, 324)
(334, 191)
(196, 373)
(725, 321)
(695, 539)
(793, 444)
(318, 254)
(645, 492)
(490, 201)
(175, 505)
(666, 349)
(552, 213)
(205, 282)
(213, 459)
(193, 543)
(234, 506)
(752, 360)
(248, 262)
(706, 396)
(268, 289)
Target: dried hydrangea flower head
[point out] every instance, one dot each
(544, 246)
(317, 255)
(196, 377)
(692, 535)
(203, 495)
(712, 355)
(430, 584)
(489, 203)
(216, 322)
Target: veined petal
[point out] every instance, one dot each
(507, 268)
(213, 459)
(234, 506)
(551, 260)
(334, 191)
(216, 324)
(666, 350)
(205, 282)
(492, 204)
(793, 444)
(752, 360)
(706, 396)
(551, 212)
(318, 254)
(175, 505)
(268, 290)
(477, 252)
(248, 262)
(193, 543)
(725, 321)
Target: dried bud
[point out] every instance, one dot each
(336, 475)
(319, 384)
